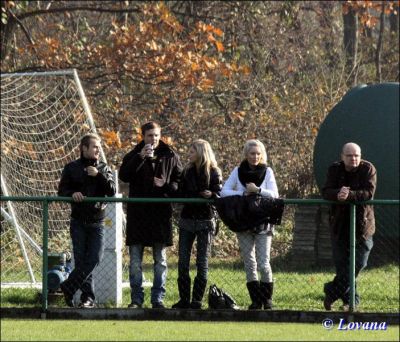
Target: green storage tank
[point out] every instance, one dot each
(369, 116)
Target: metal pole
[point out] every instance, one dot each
(45, 257)
(16, 227)
(44, 73)
(8, 217)
(87, 110)
(174, 200)
(352, 267)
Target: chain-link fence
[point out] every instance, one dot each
(300, 258)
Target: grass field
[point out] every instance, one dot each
(294, 290)
(37, 330)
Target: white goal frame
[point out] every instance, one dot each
(113, 238)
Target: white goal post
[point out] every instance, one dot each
(43, 117)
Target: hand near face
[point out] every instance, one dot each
(206, 193)
(146, 151)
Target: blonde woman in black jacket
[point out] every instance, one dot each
(201, 178)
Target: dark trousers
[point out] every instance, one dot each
(339, 288)
(189, 230)
(88, 247)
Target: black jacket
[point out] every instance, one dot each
(242, 213)
(149, 223)
(362, 183)
(191, 185)
(74, 178)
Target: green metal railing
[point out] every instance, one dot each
(47, 199)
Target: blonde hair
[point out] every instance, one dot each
(207, 158)
(254, 142)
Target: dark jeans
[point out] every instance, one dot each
(88, 247)
(189, 230)
(339, 288)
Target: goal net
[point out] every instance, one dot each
(43, 117)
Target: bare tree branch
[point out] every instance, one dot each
(379, 45)
(78, 8)
(24, 29)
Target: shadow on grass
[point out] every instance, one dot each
(20, 297)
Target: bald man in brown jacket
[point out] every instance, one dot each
(351, 179)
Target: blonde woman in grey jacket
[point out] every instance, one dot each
(253, 176)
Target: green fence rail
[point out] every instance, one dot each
(47, 199)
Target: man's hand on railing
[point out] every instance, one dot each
(343, 193)
(78, 197)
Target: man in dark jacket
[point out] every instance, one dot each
(351, 179)
(86, 177)
(152, 169)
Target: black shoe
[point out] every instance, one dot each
(87, 304)
(69, 299)
(255, 295)
(134, 306)
(158, 305)
(255, 306)
(268, 304)
(328, 303)
(182, 304)
(195, 305)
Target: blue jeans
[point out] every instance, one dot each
(339, 288)
(136, 273)
(88, 247)
(189, 230)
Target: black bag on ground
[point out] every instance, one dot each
(218, 299)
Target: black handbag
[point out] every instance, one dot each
(241, 213)
(218, 299)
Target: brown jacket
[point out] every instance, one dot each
(362, 183)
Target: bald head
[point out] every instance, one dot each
(351, 156)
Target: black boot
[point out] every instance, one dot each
(199, 287)
(184, 294)
(254, 292)
(266, 290)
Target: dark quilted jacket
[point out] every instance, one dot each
(242, 213)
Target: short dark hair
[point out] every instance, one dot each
(85, 141)
(149, 125)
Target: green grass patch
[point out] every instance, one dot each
(63, 330)
(294, 290)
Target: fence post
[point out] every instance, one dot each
(45, 216)
(352, 255)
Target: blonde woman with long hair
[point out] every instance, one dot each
(253, 176)
(201, 178)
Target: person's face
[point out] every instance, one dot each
(254, 156)
(351, 157)
(93, 150)
(152, 136)
(193, 156)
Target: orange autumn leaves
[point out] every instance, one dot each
(368, 11)
(153, 50)
(112, 139)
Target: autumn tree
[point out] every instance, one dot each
(369, 14)
(224, 71)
